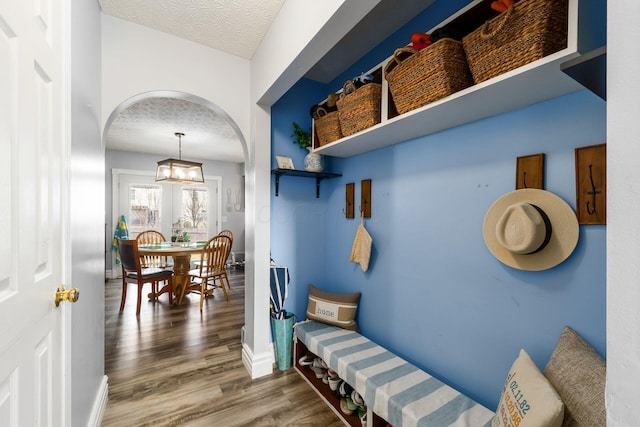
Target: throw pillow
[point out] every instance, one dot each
(333, 309)
(578, 373)
(527, 398)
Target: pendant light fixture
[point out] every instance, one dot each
(178, 171)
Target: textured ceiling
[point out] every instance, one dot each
(233, 26)
(149, 125)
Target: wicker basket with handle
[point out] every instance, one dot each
(527, 31)
(427, 75)
(359, 108)
(327, 126)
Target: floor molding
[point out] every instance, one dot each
(257, 365)
(100, 404)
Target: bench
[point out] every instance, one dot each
(394, 390)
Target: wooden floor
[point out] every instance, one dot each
(174, 366)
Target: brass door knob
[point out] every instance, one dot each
(63, 294)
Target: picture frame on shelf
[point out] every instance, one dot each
(285, 162)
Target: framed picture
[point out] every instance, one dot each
(284, 162)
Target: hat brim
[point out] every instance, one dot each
(564, 234)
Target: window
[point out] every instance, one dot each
(144, 208)
(195, 219)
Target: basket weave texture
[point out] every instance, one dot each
(427, 75)
(526, 32)
(360, 108)
(327, 127)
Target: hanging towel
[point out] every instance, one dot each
(361, 249)
(122, 233)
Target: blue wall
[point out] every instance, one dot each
(433, 293)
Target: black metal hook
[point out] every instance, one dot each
(592, 193)
(524, 179)
(349, 208)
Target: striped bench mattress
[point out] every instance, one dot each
(394, 389)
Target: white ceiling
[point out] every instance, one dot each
(236, 27)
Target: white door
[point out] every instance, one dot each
(34, 339)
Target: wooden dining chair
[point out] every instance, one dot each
(153, 261)
(229, 234)
(133, 272)
(149, 237)
(212, 272)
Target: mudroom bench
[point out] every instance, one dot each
(393, 390)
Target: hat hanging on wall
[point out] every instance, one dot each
(530, 229)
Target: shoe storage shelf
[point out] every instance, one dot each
(329, 396)
(537, 81)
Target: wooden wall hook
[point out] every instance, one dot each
(349, 200)
(365, 198)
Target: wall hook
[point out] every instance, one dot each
(592, 193)
(349, 200)
(365, 198)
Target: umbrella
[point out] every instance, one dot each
(279, 291)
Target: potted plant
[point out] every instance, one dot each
(312, 161)
(301, 136)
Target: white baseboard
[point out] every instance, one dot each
(100, 404)
(257, 365)
(110, 274)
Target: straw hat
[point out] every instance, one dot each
(530, 229)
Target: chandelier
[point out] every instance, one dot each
(178, 171)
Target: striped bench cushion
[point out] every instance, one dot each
(394, 389)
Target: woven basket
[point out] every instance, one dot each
(359, 108)
(526, 32)
(427, 75)
(327, 126)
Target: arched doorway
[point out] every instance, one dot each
(145, 124)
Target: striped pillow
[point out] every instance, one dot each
(333, 309)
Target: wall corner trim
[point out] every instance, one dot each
(258, 365)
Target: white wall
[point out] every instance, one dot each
(300, 35)
(88, 383)
(623, 225)
(137, 59)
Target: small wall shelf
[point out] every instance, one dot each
(319, 176)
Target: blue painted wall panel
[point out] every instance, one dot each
(433, 293)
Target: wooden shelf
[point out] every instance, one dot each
(535, 82)
(328, 396)
(318, 176)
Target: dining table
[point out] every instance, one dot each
(181, 253)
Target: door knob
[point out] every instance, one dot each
(63, 294)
